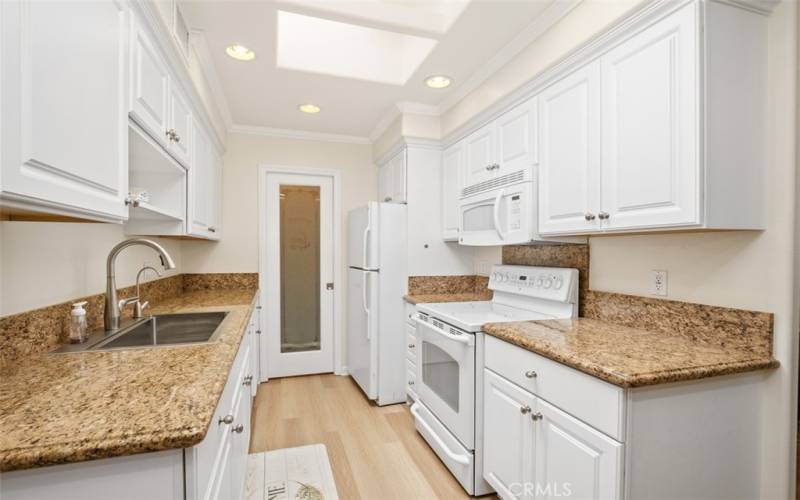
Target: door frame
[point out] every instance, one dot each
(335, 176)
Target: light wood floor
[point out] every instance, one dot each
(375, 451)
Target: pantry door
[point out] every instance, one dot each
(298, 275)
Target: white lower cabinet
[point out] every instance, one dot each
(411, 351)
(547, 433)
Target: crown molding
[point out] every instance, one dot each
(285, 133)
(551, 15)
(763, 7)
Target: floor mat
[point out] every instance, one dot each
(302, 473)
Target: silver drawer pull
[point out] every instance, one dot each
(531, 374)
(536, 416)
(525, 410)
(227, 419)
(238, 429)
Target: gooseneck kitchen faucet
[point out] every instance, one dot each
(112, 307)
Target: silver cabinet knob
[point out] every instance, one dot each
(248, 380)
(536, 416)
(387, 199)
(171, 134)
(258, 332)
(410, 382)
(238, 429)
(525, 410)
(212, 229)
(603, 215)
(227, 419)
(531, 374)
(589, 216)
(411, 346)
(176, 137)
(496, 166)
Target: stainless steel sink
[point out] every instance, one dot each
(158, 330)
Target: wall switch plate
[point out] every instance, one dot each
(658, 285)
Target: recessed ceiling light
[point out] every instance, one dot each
(438, 81)
(240, 53)
(309, 108)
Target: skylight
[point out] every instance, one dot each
(318, 45)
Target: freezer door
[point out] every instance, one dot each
(362, 342)
(362, 246)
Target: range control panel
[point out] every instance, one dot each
(553, 283)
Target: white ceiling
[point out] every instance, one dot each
(260, 94)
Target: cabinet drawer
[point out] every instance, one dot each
(411, 380)
(411, 343)
(597, 403)
(411, 310)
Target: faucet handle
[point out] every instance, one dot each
(138, 311)
(129, 300)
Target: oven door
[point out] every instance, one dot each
(446, 377)
(499, 217)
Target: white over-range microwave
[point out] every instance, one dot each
(502, 215)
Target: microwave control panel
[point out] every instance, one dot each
(515, 212)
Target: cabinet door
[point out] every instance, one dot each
(215, 195)
(240, 434)
(574, 460)
(508, 449)
(180, 126)
(149, 86)
(516, 139)
(452, 164)
(399, 177)
(200, 205)
(479, 155)
(650, 166)
(386, 182)
(569, 121)
(65, 101)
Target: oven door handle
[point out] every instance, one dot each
(461, 459)
(496, 214)
(464, 339)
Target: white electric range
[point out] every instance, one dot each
(450, 378)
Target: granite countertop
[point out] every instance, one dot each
(447, 297)
(72, 407)
(628, 357)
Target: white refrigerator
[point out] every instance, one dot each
(376, 282)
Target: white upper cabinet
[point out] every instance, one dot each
(505, 146)
(569, 122)
(149, 86)
(452, 167)
(64, 100)
(179, 133)
(682, 139)
(570, 454)
(650, 168)
(392, 179)
(205, 190)
(479, 155)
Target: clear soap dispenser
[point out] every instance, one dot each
(77, 324)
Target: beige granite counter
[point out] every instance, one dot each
(60, 408)
(629, 357)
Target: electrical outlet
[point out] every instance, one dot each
(659, 283)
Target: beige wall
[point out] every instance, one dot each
(238, 249)
(752, 270)
(45, 263)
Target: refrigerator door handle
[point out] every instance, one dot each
(364, 262)
(364, 299)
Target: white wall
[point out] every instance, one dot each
(45, 263)
(752, 270)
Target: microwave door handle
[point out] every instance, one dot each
(497, 214)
